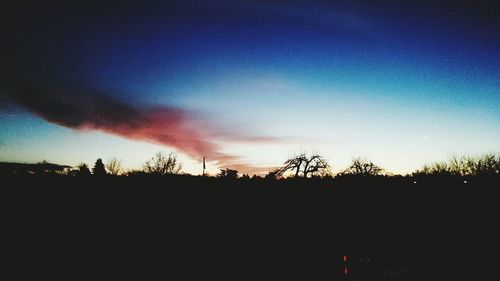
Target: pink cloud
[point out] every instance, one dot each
(80, 108)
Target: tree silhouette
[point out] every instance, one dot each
(114, 166)
(83, 170)
(362, 167)
(98, 169)
(162, 164)
(306, 165)
(293, 164)
(228, 174)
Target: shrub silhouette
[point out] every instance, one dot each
(272, 175)
(228, 174)
(485, 165)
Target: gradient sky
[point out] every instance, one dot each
(249, 83)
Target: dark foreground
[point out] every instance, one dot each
(191, 228)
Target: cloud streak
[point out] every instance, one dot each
(41, 65)
(79, 107)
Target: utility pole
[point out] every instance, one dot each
(204, 167)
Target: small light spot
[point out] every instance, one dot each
(465, 181)
(414, 181)
(345, 270)
(345, 258)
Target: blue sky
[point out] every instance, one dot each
(255, 82)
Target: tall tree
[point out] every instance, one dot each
(98, 169)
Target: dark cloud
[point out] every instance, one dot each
(79, 106)
(42, 43)
(39, 72)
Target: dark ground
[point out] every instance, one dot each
(192, 228)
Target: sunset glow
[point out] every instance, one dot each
(248, 83)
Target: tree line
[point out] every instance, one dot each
(297, 166)
(160, 164)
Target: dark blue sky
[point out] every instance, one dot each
(235, 80)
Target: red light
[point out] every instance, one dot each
(345, 270)
(345, 258)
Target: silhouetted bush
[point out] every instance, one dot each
(485, 165)
(272, 175)
(114, 166)
(228, 174)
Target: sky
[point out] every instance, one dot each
(247, 84)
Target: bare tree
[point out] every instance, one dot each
(293, 164)
(114, 166)
(301, 164)
(315, 164)
(162, 164)
(362, 167)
